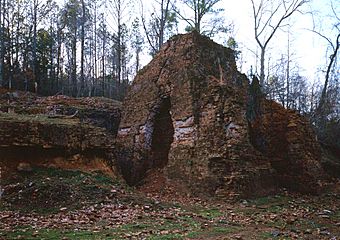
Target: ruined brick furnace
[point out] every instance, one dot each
(187, 112)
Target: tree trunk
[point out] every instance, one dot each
(287, 74)
(2, 9)
(95, 46)
(262, 76)
(119, 43)
(58, 59)
(137, 60)
(322, 104)
(162, 24)
(164, 17)
(82, 78)
(103, 63)
(34, 51)
(52, 71)
(200, 5)
(74, 63)
(10, 53)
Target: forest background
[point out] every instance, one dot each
(96, 47)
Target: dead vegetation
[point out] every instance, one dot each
(57, 204)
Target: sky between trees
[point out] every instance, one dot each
(308, 52)
(96, 47)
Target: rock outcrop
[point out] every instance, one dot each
(187, 112)
(57, 130)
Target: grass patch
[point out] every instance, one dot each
(210, 213)
(277, 200)
(38, 118)
(266, 235)
(57, 234)
(166, 237)
(213, 232)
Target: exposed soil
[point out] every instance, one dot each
(57, 204)
(11, 159)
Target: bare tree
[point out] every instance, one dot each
(269, 16)
(2, 42)
(119, 14)
(82, 48)
(155, 28)
(95, 38)
(332, 60)
(201, 9)
(137, 42)
(70, 19)
(333, 46)
(34, 52)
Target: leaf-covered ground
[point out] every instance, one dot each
(59, 204)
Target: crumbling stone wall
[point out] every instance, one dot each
(212, 149)
(290, 143)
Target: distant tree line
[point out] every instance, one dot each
(94, 48)
(84, 47)
(64, 49)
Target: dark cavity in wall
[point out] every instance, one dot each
(134, 163)
(163, 135)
